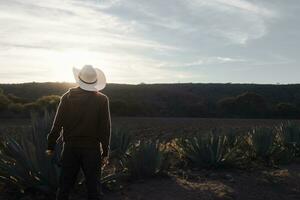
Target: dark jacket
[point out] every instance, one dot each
(83, 117)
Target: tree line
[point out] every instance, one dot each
(164, 100)
(12, 106)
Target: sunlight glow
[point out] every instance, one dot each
(64, 61)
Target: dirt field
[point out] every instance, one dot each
(166, 128)
(271, 184)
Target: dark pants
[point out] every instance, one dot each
(74, 158)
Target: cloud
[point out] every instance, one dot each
(249, 7)
(170, 39)
(238, 21)
(121, 23)
(44, 25)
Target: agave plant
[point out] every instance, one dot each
(23, 162)
(147, 159)
(121, 142)
(212, 150)
(289, 141)
(234, 138)
(262, 141)
(290, 134)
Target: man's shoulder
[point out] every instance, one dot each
(99, 95)
(102, 96)
(67, 93)
(64, 95)
(73, 89)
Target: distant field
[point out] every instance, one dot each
(165, 128)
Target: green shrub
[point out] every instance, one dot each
(146, 160)
(16, 107)
(48, 102)
(4, 102)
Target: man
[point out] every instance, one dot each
(83, 117)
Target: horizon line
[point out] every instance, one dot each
(161, 83)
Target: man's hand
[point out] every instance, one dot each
(104, 154)
(104, 162)
(49, 152)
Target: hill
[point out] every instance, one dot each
(185, 100)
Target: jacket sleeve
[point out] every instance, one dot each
(105, 127)
(57, 125)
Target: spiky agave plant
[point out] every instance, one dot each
(262, 141)
(146, 160)
(289, 142)
(121, 142)
(290, 134)
(209, 151)
(23, 162)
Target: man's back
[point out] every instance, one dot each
(84, 118)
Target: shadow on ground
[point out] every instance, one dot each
(171, 189)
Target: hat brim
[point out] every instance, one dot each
(99, 85)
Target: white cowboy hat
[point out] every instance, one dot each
(89, 78)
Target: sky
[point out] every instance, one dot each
(157, 41)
